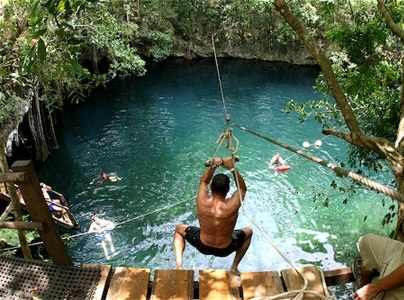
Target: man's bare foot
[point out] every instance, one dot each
(178, 267)
(235, 272)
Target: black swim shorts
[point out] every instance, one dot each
(192, 235)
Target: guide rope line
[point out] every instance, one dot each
(315, 144)
(152, 212)
(116, 226)
(358, 178)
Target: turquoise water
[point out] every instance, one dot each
(157, 131)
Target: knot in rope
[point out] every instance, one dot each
(228, 136)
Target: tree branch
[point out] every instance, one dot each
(400, 33)
(355, 137)
(400, 130)
(325, 66)
(389, 20)
(376, 144)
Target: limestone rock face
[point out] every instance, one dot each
(294, 53)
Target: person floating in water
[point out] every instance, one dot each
(54, 205)
(102, 229)
(217, 217)
(276, 162)
(105, 177)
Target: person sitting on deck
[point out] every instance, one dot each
(217, 217)
(54, 205)
(102, 229)
(382, 257)
(276, 162)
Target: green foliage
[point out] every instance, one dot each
(12, 112)
(156, 32)
(160, 44)
(196, 18)
(345, 190)
(58, 38)
(324, 111)
(72, 32)
(366, 60)
(64, 45)
(390, 215)
(8, 108)
(10, 236)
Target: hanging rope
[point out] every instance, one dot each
(220, 80)
(228, 135)
(298, 294)
(358, 178)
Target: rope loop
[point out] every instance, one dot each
(228, 136)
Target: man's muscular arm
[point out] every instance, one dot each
(228, 164)
(207, 177)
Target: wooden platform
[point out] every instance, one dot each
(20, 277)
(135, 284)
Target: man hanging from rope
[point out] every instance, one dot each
(217, 217)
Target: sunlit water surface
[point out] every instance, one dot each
(157, 131)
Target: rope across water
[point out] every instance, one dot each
(358, 178)
(116, 225)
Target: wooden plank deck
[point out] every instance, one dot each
(218, 284)
(173, 285)
(261, 284)
(132, 283)
(128, 283)
(293, 281)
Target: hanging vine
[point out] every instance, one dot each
(37, 128)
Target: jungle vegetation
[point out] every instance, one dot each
(57, 51)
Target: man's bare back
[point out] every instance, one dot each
(217, 217)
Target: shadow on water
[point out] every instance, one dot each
(156, 132)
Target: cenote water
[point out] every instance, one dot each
(156, 132)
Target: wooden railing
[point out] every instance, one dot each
(24, 176)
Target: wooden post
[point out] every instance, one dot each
(17, 207)
(22, 225)
(39, 212)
